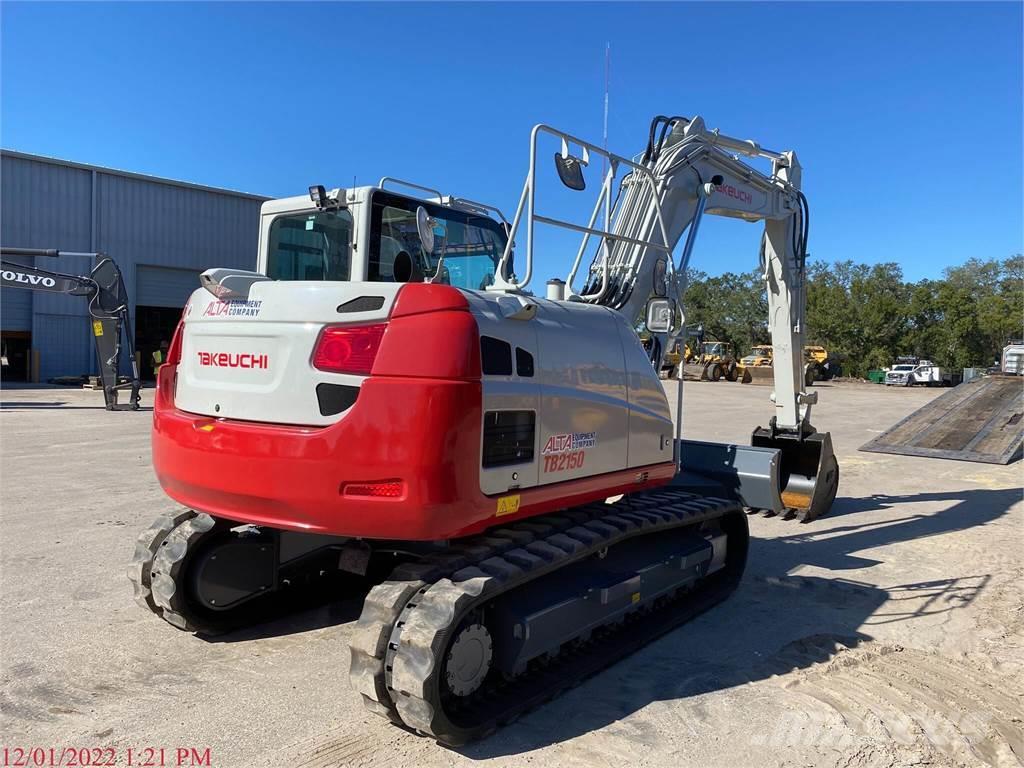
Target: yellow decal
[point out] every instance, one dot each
(636, 597)
(97, 328)
(508, 505)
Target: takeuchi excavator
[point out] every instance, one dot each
(386, 398)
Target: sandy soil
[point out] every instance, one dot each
(889, 633)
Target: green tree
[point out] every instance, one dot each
(866, 315)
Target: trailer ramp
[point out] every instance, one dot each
(977, 421)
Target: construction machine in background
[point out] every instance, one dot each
(820, 367)
(107, 298)
(385, 398)
(713, 360)
(674, 358)
(756, 368)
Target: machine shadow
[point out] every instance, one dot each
(33, 405)
(328, 606)
(773, 623)
(14, 405)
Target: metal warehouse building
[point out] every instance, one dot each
(161, 233)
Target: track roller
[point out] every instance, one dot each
(513, 617)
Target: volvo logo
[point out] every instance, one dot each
(27, 279)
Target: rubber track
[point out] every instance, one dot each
(146, 547)
(397, 654)
(167, 565)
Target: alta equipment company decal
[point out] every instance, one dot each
(233, 308)
(567, 451)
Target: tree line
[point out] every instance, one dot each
(866, 315)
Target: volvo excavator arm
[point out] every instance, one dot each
(686, 171)
(108, 311)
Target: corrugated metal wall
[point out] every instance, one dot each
(164, 286)
(139, 222)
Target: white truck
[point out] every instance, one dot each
(1012, 358)
(909, 371)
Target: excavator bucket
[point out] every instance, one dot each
(759, 374)
(808, 470)
(698, 372)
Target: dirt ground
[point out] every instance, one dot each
(889, 633)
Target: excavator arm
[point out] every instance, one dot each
(687, 171)
(104, 289)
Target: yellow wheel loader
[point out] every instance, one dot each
(756, 368)
(714, 360)
(820, 366)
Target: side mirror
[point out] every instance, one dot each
(425, 229)
(570, 171)
(659, 315)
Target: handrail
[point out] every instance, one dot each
(467, 203)
(527, 202)
(411, 185)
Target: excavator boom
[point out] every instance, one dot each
(686, 171)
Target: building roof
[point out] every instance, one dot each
(128, 174)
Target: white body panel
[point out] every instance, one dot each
(282, 321)
(591, 380)
(252, 360)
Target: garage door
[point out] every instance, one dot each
(164, 286)
(16, 303)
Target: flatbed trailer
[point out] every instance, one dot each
(980, 421)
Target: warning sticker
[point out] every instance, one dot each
(97, 328)
(508, 505)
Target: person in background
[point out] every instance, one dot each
(159, 356)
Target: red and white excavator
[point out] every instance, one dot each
(385, 397)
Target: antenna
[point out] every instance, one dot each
(604, 160)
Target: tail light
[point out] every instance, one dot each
(348, 349)
(174, 350)
(384, 489)
(167, 373)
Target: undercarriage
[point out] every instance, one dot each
(464, 636)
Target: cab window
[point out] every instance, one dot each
(471, 245)
(310, 246)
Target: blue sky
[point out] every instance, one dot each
(907, 118)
